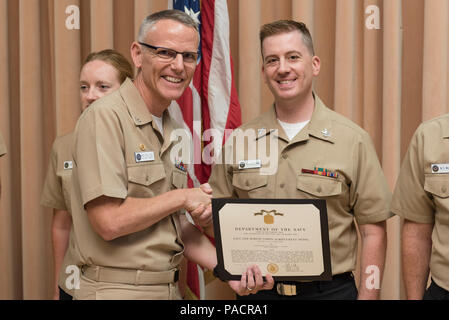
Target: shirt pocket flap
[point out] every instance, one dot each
(318, 186)
(249, 180)
(146, 174)
(437, 185)
(179, 179)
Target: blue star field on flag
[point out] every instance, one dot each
(192, 8)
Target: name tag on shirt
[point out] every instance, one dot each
(68, 165)
(144, 156)
(250, 164)
(440, 167)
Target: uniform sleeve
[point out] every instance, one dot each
(99, 155)
(410, 200)
(370, 194)
(2, 146)
(52, 194)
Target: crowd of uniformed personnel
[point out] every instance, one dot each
(119, 200)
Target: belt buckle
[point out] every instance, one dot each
(286, 289)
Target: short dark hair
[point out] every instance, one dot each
(176, 15)
(284, 26)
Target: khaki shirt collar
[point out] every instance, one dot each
(269, 124)
(169, 125)
(136, 106)
(140, 114)
(319, 126)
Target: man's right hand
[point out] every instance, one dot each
(195, 197)
(198, 204)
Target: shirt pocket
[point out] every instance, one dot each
(143, 179)
(179, 179)
(319, 186)
(250, 183)
(437, 185)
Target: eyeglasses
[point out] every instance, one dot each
(170, 54)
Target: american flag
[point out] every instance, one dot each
(210, 101)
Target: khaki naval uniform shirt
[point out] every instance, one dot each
(422, 190)
(119, 152)
(328, 141)
(56, 193)
(2, 146)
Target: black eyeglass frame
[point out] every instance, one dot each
(194, 54)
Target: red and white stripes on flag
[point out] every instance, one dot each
(210, 101)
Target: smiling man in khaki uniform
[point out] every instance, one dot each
(421, 197)
(127, 191)
(321, 155)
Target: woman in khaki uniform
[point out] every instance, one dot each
(102, 73)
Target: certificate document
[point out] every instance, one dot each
(287, 238)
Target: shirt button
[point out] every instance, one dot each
(284, 156)
(247, 183)
(282, 185)
(443, 189)
(319, 189)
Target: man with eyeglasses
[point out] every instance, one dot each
(320, 155)
(127, 193)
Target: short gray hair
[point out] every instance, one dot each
(175, 15)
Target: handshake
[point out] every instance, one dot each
(197, 202)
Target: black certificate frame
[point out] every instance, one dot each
(320, 204)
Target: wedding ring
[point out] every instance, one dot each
(249, 289)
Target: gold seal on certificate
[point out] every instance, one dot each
(287, 238)
(272, 268)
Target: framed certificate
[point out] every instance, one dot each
(287, 238)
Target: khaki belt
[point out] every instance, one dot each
(129, 276)
(286, 289)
